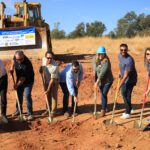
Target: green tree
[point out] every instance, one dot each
(78, 32)
(95, 29)
(56, 33)
(128, 25)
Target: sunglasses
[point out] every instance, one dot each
(19, 59)
(147, 54)
(123, 50)
(49, 58)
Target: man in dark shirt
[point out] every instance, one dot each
(24, 82)
(128, 75)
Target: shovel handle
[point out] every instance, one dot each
(46, 98)
(74, 110)
(19, 107)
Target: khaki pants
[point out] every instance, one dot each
(52, 96)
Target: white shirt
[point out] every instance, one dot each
(2, 69)
(50, 71)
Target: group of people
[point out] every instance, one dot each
(70, 79)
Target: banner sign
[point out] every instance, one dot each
(17, 37)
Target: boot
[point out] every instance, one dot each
(103, 113)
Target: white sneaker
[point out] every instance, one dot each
(132, 111)
(125, 116)
(30, 117)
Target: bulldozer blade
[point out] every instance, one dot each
(3, 120)
(109, 122)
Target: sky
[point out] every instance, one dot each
(69, 13)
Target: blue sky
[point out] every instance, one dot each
(69, 13)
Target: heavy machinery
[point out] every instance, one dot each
(25, 30)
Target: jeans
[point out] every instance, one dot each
(104, 91)
(65, 91)
(27, 89)
(126, 91)
(3, 94)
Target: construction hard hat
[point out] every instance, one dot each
(101, 50)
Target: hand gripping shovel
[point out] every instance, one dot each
(138, 123)
(74, 111)
(50, 118)
(3, 120)
(111, 121)
(21, 117)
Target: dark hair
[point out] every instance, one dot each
(124, 45)
(147, 49)
(75, 63)
(48, 53)
(19, 52)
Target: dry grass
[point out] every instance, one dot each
(89, 45)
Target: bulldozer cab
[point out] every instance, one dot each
(25, 30)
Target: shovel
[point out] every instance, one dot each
(111, 121)
(21, 117)
(50, 118)
(74, 111)
(95, 114)
(138, 123)
(3, 120)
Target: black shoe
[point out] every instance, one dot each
(15, 114)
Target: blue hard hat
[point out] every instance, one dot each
(101, 50)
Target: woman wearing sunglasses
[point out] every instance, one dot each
(104, 77)
(128, 78)
(147, 63)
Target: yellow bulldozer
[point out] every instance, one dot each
(25, 30)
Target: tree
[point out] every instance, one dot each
(56, 33)
(95, 29)
(78, 32)
(128, 25)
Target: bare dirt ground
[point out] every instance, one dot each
(87, 133)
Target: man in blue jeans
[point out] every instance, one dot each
(128, 78)
(25, 80)
(70, 79)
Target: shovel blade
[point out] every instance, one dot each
(22, 118)
(50, 119)
(139, 125)
(110, 122)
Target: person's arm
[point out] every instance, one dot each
(20, 82)
(50, 85)
(80, 77)
(148, 88)
(126, 73)
(12, 67)
(104, 68)
(52, 79)
(70, 84)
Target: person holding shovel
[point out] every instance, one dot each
(147, 63)
(3, 91)
(70, 79)
(104, 77)
(50, 71)
(128, 75)
(24, 82)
